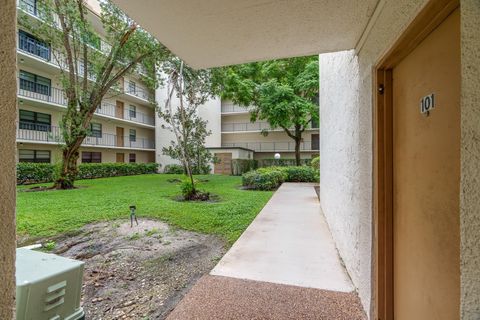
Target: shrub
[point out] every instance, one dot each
(262, 163)
(300, 174)
(266, 179)
(240, 166)
(28, 173)
(173, 169)
(271, 178)
(315, 164)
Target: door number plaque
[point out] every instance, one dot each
(427, 103)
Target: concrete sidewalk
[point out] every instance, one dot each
(284, 266)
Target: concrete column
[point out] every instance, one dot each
(8, 108)
(470, 159)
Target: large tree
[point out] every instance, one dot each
(282, 92)
(90, 68)
(187, 90)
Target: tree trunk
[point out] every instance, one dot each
(297, 150)
(68, 170)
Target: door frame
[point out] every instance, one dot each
(429, 17)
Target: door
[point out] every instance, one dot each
(224, 165)
(120, 157)
(119, 110)
(426, 176)
(120, 137)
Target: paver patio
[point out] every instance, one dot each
(284, 266)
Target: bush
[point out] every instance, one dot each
(173, 169)
(264, 179)
(240, 166)
(271, 178)
(28, 173)
(262, 163)
(315, 164)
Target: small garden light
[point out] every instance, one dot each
(133, 208)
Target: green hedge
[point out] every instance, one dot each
(272, 177)
(315, 163)
(173, 169)
(28, 173)
(262, 163)
(240, 166)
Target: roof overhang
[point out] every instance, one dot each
(212, 33)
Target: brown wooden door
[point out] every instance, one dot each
(120, 139)
(120, 157)
(119, 110)
(224, 165)
(426, 175)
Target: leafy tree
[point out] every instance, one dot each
(282, 92)
(187, 89)
(89, 68)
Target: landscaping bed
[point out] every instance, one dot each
(138, 272)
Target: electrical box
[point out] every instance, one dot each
(48, 286)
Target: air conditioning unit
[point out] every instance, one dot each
(48, 286)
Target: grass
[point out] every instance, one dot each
(49, 213)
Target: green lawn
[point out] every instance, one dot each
(49, 213)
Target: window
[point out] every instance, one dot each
(132, 87)
(95, 130)
(91, 157)
(133, 135)
(39, 156)
(29, 6)
(34, 83)
(132, 158)
(31, 44)
(35, 121)
(133, 111)
(315, 142)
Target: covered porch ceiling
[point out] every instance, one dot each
(212, 33)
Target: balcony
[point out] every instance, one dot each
(251, 127)
(33, 132)
(284, 146)
(56, 96)
(231, 108)
(138, 92)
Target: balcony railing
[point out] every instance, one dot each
(249, 126)
(57, 96)
(231, 108)
(138, 92)
(273, 146)
(45, 133)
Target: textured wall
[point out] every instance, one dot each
(8, 106)
(346, 111)
(470, 156)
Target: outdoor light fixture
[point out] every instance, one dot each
(277, 156)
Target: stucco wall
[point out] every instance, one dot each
(470, 155)
(8, 105)
(346, 108)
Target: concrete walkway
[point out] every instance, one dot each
(284, 266)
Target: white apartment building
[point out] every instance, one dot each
(123, 127)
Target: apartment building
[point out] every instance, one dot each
(234, 136)
(122, 129)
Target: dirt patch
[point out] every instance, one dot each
(140, 272)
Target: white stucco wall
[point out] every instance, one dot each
(346, 148)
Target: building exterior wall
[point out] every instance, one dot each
(8, 105)
(470, 153)
(346, 111)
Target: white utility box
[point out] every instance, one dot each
(48, 286)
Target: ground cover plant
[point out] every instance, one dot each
(271, 178)
(49, 213)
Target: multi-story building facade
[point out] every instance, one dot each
(122, 129)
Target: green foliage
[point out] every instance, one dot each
(316, 163)
(50, 245)
(50, 213)
(173, 169)
(281, 162)
(270, 178)
(28, 173)
(282, 92)
(188, 189)
(240, 166)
